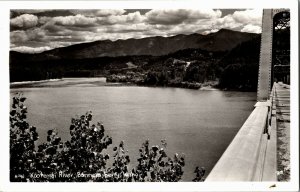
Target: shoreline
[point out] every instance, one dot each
(24, 84)
(207, 86)
(30, 82)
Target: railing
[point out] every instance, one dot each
(248, 155)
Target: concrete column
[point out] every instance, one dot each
(265, 61)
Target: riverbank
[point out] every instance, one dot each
(30, 83)
(101, 81)
(118, 81)
(93, 81)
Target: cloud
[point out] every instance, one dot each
(114, 36)
(130, 18)
(24, 21)
(25, 49)
(77, 20)
(77, 26)
(29, 11)
(209, 31)
(37, 34)
(251, 29)
(41, 12)
(51, 27)
(99, 12)
(239, 20)
(20, 36)
(177, 16)
(253, 16)
(226, 22)
(87, 21)
(124, 28)
(44, 20)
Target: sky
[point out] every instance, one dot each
(34, 31)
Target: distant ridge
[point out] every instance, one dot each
(223, 40)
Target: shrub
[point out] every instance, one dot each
(155, 165)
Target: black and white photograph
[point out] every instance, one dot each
(151, 95)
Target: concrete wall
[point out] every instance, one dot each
(243, 160)
(252, 154)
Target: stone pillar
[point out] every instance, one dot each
(265, 61)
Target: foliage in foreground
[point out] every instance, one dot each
(83, 158)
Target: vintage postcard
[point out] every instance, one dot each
(165, 95)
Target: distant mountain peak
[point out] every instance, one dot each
(226, 30)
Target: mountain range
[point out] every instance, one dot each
(223, 40)
(227, 56)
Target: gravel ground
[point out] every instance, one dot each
(283, 133)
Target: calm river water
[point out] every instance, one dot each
(200, 124)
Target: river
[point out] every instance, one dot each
(200, 124)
